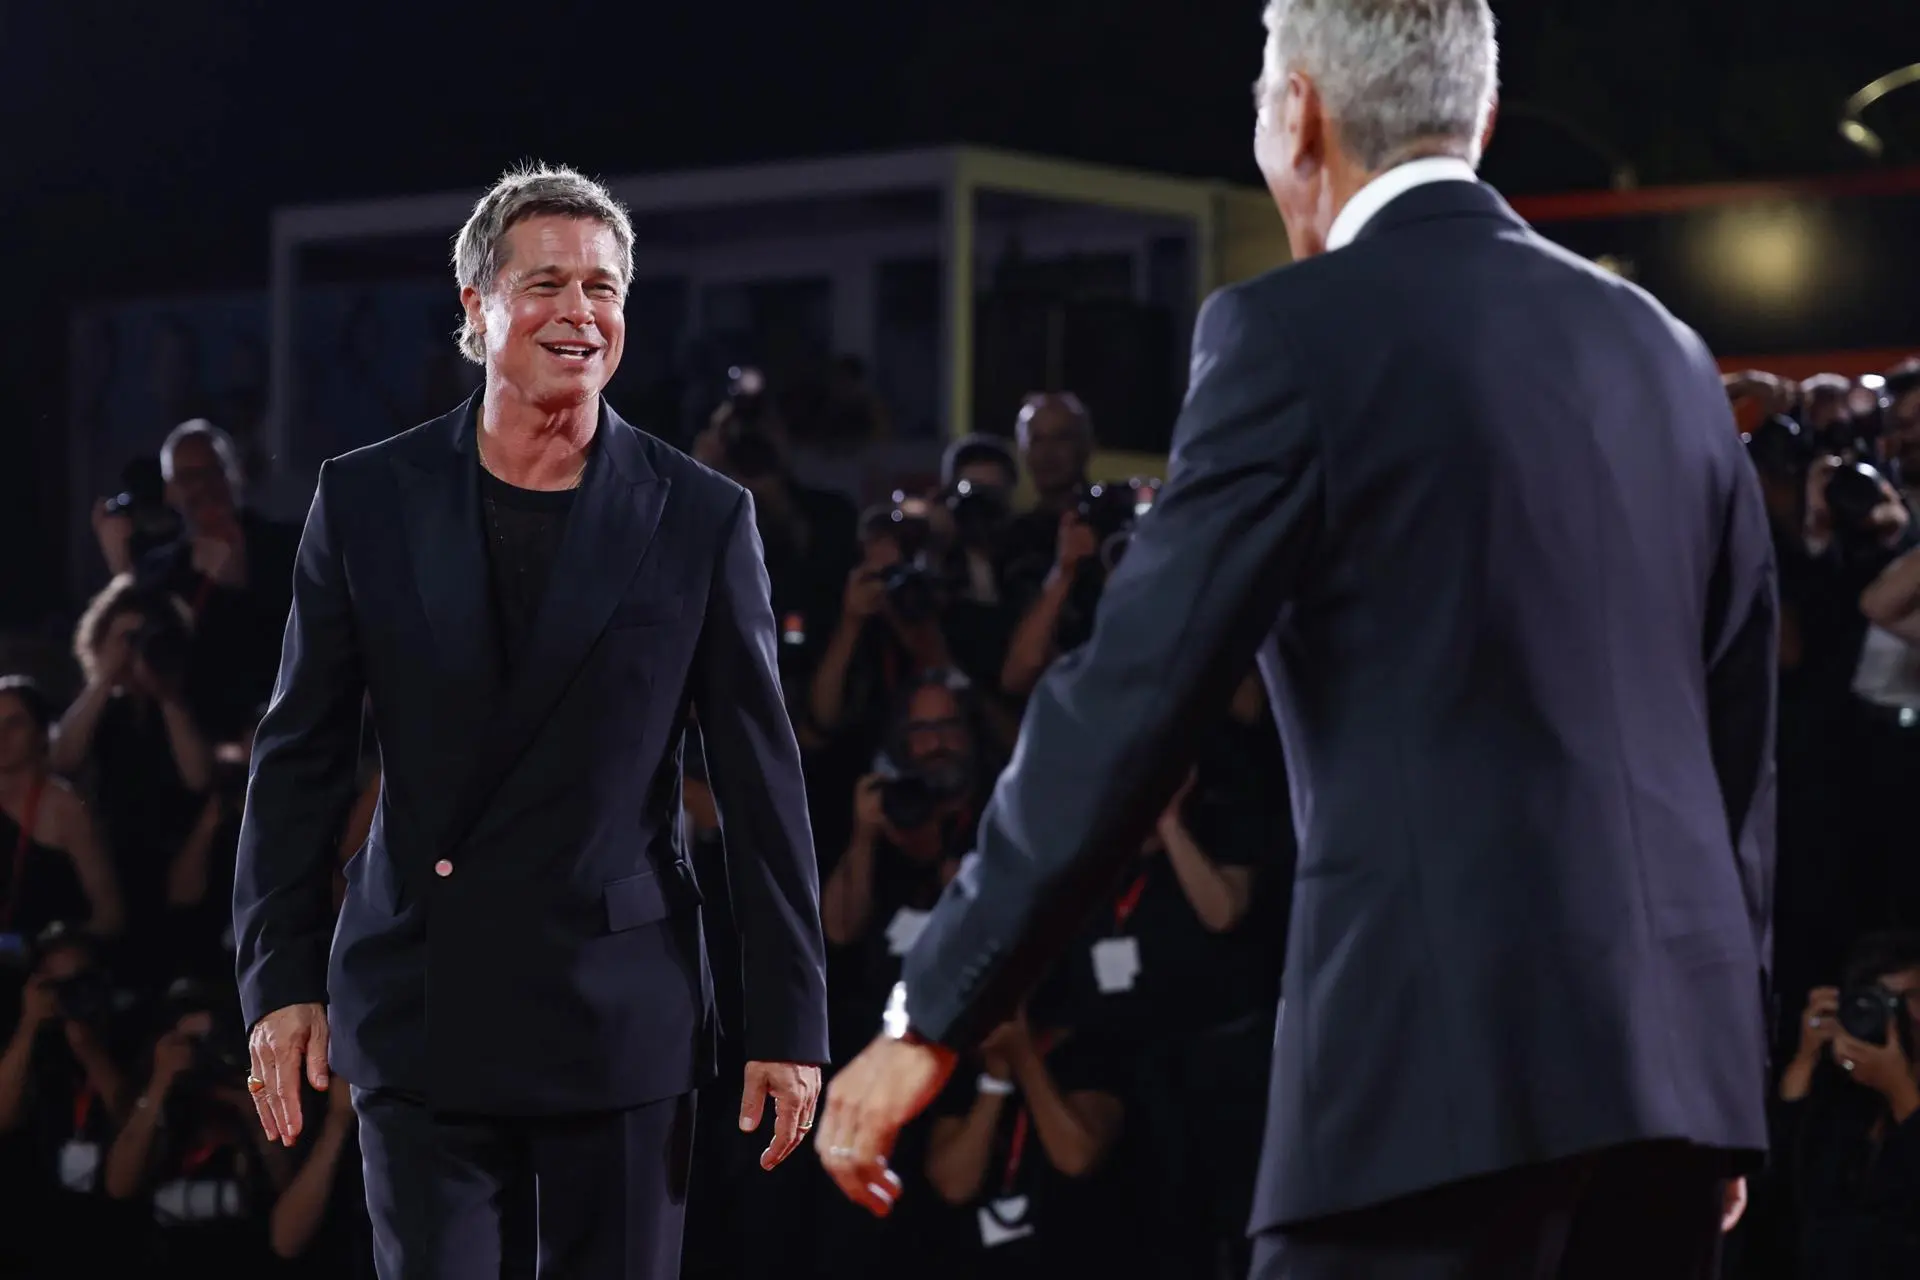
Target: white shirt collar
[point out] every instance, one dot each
(1390, 186)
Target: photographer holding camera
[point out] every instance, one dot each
(191, 1148)
(913, 820)
(57, 870)
(131, 728)
(62, 1090)
(1055, 435)
(1846, 1142)
(808, 534)
(1089, 541)
(232, 568)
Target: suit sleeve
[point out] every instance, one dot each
(1112, 727)
(1742, 646)
(302, 784)
(753, 769)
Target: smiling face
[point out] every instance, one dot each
(552, 320)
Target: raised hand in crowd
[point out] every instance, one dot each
(1819, 1023)
(1883, 1068)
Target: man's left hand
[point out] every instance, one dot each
(795, 1090)
(890, 1083)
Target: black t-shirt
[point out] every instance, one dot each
(146, 811)
(524, 529)
(235, 655)
(1163, 968)
(904, 894)
(1041, 1222)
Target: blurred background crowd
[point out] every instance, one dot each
(1111, 1127)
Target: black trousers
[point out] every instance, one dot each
(589, 1197)
(1643, 1212)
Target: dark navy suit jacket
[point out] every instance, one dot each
(521, 932)
(1481, 512)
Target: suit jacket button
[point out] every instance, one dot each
(443, 868)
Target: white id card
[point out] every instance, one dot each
(904, 930)
(1116, 963)
(1004, 1220)
(79, 1165)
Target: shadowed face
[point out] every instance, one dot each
(553, 319)
(21, 741)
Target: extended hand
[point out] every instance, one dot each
(795, 1090)
(285, 1044)
(869, 1102)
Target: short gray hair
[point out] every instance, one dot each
(1391, 72)
(219, 441)
(529, 191)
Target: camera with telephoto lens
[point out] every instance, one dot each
(979, 511)
(912, 584)
(162, 643)
(1112, 511)
(1853, 494)
(143, 500)
(746, 435)
(907, 800)
(1865, 1010)
(1780, 449)
(86, 998)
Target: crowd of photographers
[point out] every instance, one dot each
(1112, 1125)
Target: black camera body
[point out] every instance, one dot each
(1112, 511)
(86, 998)
(979, 512)
(1865, 1011)
(163, 643)
(1853, 494)
(907, 800)
(745, 435)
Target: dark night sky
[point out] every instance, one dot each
(146, 145)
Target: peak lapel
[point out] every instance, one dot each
(446, 543)
(608, 533)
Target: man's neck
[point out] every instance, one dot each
(533, 446)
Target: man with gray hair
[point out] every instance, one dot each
(1481, 512)
(532, 599)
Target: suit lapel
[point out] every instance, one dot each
(446, 543)
(608, 532)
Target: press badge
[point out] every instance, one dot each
(905, 929)
(1116, 963)
(79, 1165)
(1004, 1220)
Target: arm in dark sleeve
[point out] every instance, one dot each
(1112, 728)
(1742, 643)
(753, 766)
(305, 753)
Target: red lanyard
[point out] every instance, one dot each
(201, 1154)
(1123, 908)
(82, 1108)
(1022, 1126)
(20, 847)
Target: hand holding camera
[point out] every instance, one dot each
(172, 1055)
(1882, 1067)
(870, 808)
(866, 593)
(1819, 1024)
(39, 1002)
(1077, 542)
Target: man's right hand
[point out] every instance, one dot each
(1074, 542)
(285, 1045)
(1819, 1022)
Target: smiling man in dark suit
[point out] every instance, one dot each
(530, 594)
(1482, 513)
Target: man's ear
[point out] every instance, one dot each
(1304, 124)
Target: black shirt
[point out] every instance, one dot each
(524, 528)
(235, 655)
